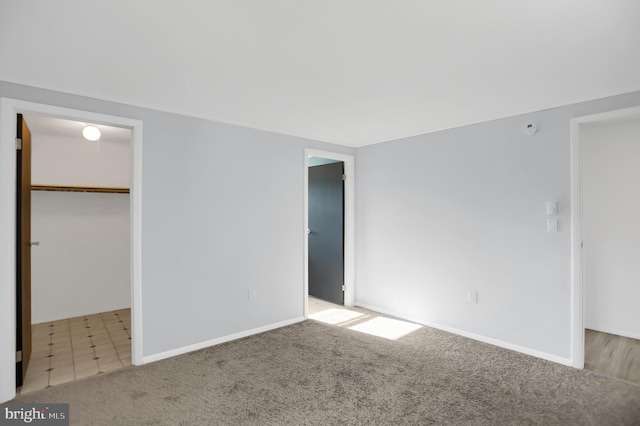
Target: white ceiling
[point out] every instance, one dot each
(351, 72)
(43, 125)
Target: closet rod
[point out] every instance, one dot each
(61, 188)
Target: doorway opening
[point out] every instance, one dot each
(329, 208)
(80, 302)
(605, 247)
(9, 108)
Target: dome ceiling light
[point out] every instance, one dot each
(91, 133)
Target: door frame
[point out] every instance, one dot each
(577, 267)
(9, 108)
(349, 224)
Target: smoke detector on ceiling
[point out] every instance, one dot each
(530, 128)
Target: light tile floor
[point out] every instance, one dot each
(318, 305)
(75, 348)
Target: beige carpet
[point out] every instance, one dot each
(318, 374)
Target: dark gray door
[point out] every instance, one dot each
(326, 239)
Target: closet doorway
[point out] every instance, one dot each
(9, 108)
(80, 252)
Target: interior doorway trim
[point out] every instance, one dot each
(349, 223)
(577, 284)
(9, 108)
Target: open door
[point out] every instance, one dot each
(326, 232)
(23, 250)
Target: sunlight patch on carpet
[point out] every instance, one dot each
(335, 316)
(387, 328)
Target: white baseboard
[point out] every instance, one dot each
(615, 331)
(474, 336)
(196, 346)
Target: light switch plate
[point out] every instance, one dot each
(552, 207)
(552, 225)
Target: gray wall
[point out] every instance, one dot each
(436, 215)
(465, 209)
(222, 212)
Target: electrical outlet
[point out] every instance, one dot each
(472, 296)
(252, 294)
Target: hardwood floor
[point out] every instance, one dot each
(612, 356)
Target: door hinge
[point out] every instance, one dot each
(342, 287)
(18, 356)
(18, 144)
(344, 177)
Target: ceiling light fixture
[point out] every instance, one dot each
(91, 133)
